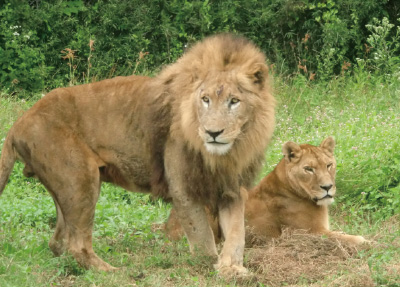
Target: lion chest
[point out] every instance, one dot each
(188, 174)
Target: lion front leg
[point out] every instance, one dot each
(191, 213)
(193, 218)
(231, 218)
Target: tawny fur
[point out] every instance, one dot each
(291, 195)
(156, 135)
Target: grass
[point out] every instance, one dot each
(361, 113)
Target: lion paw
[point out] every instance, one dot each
(233, 271)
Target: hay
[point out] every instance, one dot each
(298, 257)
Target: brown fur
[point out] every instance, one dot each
(154, 134)
(291, 195)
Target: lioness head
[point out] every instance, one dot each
(311, 170)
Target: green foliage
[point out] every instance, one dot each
(21, 61)
(102, 39)
(385, 46)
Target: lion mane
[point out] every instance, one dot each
(195, 134)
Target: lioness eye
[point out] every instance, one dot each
(329, 165)
(308, 169)
(205, 99)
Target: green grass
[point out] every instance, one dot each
(362, 114)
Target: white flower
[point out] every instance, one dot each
(16, 34)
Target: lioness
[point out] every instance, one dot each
(295, 194)
(193, 134)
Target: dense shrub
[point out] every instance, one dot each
(318, 39)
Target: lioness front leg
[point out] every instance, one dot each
(231, 219)
(351, 239)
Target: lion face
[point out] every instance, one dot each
(222, 112)
(311, 170)
(221, 104)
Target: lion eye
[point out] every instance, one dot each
(329, 166)
(234, 101)
(309, 169)
(205, 99)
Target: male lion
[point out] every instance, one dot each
(193, 134)
(295, 194)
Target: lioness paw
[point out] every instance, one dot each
(355, 239)
(360, 240)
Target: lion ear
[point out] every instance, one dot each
(291, 151)
(258, 74)
(328, 145)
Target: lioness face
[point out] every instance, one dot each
(311, 170)
(222, 113)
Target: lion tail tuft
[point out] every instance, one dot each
(7, 161)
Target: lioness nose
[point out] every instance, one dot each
(214, 134)
(327, 187)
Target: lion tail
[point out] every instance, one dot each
(7, 161)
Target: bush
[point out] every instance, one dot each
(120, 37)
(22, 61)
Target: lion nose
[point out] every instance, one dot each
(214, 134)
(326, 187)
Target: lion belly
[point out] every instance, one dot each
(102, 120)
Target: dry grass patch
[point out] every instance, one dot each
(301, 258)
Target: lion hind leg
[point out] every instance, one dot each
(174, 231)
(58, 242)
(74, 183)
(173, 228)
(69, 170)
(75, 219)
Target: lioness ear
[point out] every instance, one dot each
(328, 145)
(291, 151)
(258, 74)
